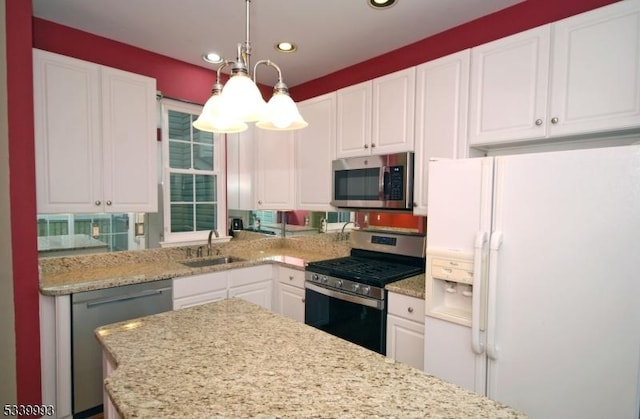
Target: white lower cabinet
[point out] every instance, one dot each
(405, 330)
(253, 284)
(289, 299)
(199, 289)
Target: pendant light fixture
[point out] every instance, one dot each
(240, 101)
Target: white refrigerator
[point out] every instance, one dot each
(533, 280)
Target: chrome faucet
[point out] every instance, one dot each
(209, 241)
(342, 235)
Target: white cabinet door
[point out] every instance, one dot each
(290, 293)
(291, 300)
(596, 71)
(257, 293)
(442, 97)
(253, 284)
(240, 170)
(67, 133)
(199, 289)
(129, 141)
(274, 154)
(509, 85)
(393, 107)
(95, 137)
(315, 150)
(354, 120)
(405, 330)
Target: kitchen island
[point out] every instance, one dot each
(236, 359)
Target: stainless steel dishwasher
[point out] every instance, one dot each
(92, 309)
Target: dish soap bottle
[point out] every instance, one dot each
(323, 226)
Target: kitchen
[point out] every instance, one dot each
(23, 248)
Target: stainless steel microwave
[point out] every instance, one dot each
(373, 182)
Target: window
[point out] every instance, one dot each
(194, 198)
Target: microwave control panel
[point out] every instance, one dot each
(396, 183)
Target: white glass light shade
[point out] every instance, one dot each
(243, 100)
(282, 114)
(214, 118)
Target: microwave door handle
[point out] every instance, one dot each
(382, 182)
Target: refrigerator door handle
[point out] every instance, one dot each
(480, 244)
(495, 244)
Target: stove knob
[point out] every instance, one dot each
(324, 279)
(339, 283)
(356, 287)
(315, 277)
(365, 290)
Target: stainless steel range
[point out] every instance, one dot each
(346, 296)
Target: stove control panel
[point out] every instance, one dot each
(344, 285)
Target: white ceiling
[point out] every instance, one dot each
(330, 34)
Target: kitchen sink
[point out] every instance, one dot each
(211, 262)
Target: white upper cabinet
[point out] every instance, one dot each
(442, 99)
(95, 137)
(240, 170)
(377, 116)
(509, 85)
(596, 71)
(591, 84)
(275, 164)
(393, 112)
(315, 150)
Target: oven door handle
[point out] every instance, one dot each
(377, 304)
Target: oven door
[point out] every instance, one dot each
(357, 319)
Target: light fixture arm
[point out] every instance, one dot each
(279, 87)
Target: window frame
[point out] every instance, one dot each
(219, 165)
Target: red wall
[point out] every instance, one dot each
(183, 81)
(23, 204)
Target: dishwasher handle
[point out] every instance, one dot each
(119, 298)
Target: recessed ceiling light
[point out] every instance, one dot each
(381, 4)
(212, 57)
(286, 47)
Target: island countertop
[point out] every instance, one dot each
(236, 359)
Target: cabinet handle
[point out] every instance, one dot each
(554, 120)
(366, 146)
(98, 203)
(108, 202)
(410, 309)
(538, 122)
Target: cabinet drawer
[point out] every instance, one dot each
(199, 284)
(251, 275)
(291, 277)
(410, 308)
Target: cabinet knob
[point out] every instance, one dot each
(98, 203)
(259, 202)
(303, 300)
(290, 277)
(108, 202)
(538, 122)
(373, 145)
(410, 309)
(366, 146)
(554, 120)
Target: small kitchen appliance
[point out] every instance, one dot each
(346, 296)
(370, 182)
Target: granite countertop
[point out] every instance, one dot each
(236, 359)
(413, 287)
(67, 275)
